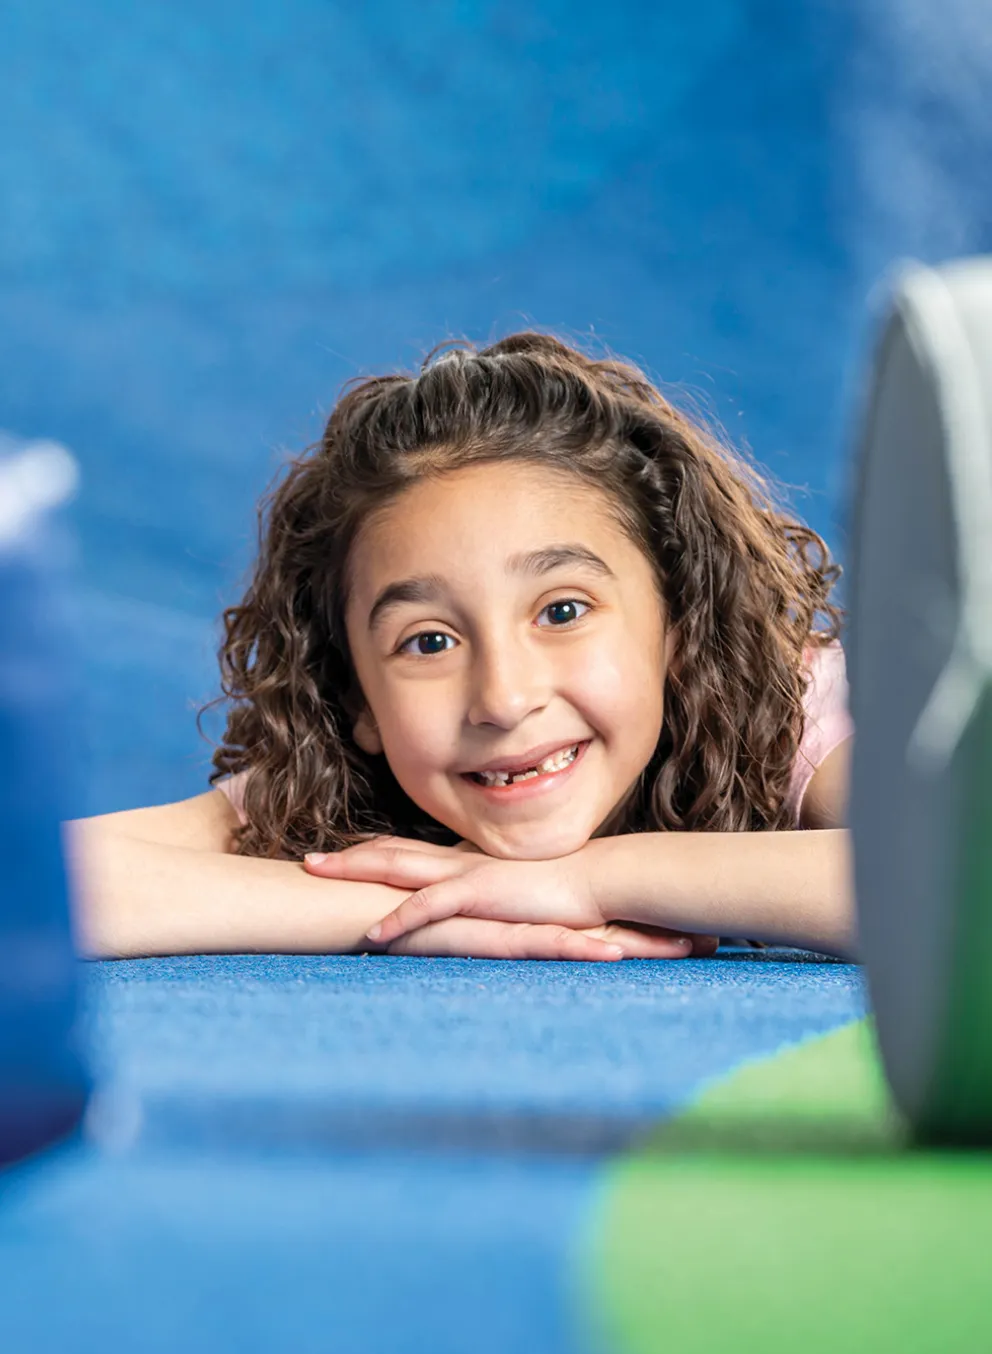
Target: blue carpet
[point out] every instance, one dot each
(283, 1052)
(377, 1154)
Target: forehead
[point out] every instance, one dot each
(482, 513)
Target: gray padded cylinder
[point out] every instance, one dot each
(920, 671)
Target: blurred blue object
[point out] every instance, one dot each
(43, 1081)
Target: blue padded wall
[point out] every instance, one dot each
(214, 214)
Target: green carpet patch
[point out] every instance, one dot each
(785, 1210)
(828, 1093)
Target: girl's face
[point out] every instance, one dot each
(498, 615)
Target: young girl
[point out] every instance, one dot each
(527, 668)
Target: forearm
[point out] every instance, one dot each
(134, 898)
(786, 888)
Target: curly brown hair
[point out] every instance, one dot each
(743, 585)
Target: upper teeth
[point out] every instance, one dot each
(555, 762)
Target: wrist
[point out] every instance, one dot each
(607, 868)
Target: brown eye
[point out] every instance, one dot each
(566, 611)
(425, 642)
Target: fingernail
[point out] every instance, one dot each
(374, 932)
(684, 943)
(616, 949)
(315, 857)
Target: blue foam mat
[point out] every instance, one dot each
(338, 1153)
(282, 1051)
(206, 1254)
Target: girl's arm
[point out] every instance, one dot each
(162, 881)
(786, 888)
(144, 897)
(789, 888)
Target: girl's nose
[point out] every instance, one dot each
(509, 682)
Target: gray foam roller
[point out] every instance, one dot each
(920, 671)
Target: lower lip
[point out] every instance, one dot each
(528, 789)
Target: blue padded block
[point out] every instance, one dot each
(213, 1254)
(42, 1080)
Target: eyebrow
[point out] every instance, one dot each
(533, 563)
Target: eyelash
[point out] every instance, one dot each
(559, 601)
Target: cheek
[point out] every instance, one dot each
(620, 690)
(418, 736)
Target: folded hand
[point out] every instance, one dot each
(465, 902)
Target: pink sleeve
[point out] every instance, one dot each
(828, 718)
(234, 788)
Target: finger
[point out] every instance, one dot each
(406, 843)
(427, 905)
(645, 944)
(699, 947)
(474, 938)
(659, 939)
(386, 865)
(530, 941)
(482, 892)
(414, 844)
(450, 898)
(652, 944)
(637, 944)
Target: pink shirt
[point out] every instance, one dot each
(828, 722)
(828, 718)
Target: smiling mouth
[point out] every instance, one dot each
(557, 762)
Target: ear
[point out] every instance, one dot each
(366, 732)
(364, 727)
(672, 654)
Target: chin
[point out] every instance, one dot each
(536, 845)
